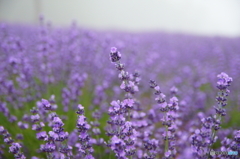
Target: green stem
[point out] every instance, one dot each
(213, 135)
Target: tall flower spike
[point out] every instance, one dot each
(85, 146)
(204, 138)
(120, 112)
(168, 120)
(55, 138)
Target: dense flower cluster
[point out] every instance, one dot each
(123, 134)
(50, 71)
(168, 119)
(14, 146)
(205, 137)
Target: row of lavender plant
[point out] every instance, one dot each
(88, 116)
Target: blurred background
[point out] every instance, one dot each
(200, 17)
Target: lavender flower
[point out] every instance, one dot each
(46, 104)
(204, 138)
(118, 146)
(85, 146)
(38, 60)
(14, 146)
(48, 147)
(121, 130)
(168, 120)
(42, 135)
(115, 55)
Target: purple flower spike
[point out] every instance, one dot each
(115, 55)
(14, 148)
(46, 104)
(80, 110)
(53, 136)
(128, 103)
(223, 81)
(35, 118)
(2, 130)
(85, 146)
(118, 146)
(204, 138)
(42, 135)
(48, 147)
(57, 125)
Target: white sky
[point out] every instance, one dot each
(205, 17)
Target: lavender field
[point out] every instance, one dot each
(80, 94)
